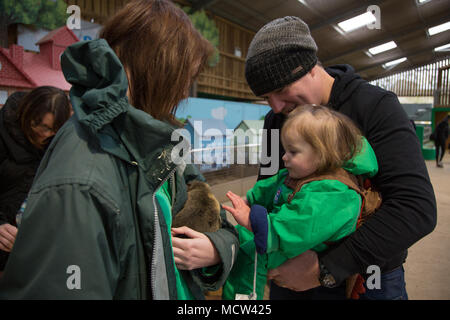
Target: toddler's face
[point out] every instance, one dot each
(300, 158)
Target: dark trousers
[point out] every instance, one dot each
(440, 150)
(392, 287)
(319, 293)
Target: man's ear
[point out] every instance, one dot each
(314, 71)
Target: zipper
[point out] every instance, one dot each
(156, 225)
(139, 237)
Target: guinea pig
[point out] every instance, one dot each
(201, 212)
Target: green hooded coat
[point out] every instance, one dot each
(98, 216)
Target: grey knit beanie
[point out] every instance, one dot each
(281, 52)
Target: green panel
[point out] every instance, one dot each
(429, 154)
(428, 150)
(419, 132)
(433, 115)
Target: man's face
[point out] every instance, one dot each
(306, 90)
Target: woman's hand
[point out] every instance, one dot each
(195, 251)
(7, 237)
(241, 210)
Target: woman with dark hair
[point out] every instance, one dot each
(98, 222)
(27, 122)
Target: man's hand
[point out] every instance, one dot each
(197, 251)
(299, 274)
(7, 237)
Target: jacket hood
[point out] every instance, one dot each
(364, 163)
(99, 83)
(98, 96)
(346, 81)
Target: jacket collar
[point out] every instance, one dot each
(346, 81)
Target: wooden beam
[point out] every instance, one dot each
(202, 4)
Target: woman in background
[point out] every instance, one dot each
(440, 136)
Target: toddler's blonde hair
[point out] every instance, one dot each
(332, 135)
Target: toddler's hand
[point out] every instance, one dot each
(241, 210)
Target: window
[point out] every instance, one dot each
(383, 47)
(357, 22)
(3, 96)
(445, 47)
(438, 29)
(393, 63)
(237, 52)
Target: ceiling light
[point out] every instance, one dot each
(440, 28)
(393, 63)
(422, 1)
(357, 22)
(383, 47)
(445, 47)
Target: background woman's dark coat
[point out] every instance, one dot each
(19, 161)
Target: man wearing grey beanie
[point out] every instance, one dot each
(282, 67)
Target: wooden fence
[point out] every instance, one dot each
(442, 94)
(428, 80)
(227, 78)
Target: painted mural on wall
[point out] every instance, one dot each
(48, 14)
(21, 70)
(208, 29)
(232, 113)
(35, 59)
(27, 37)
(210, 128)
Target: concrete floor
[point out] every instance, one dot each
(427, 268)
(428, 264)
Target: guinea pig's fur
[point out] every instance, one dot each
(201, 211)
